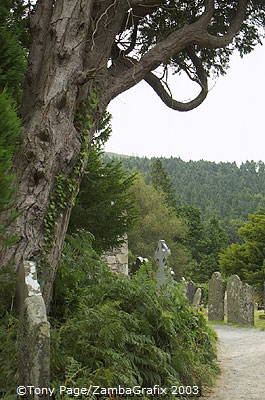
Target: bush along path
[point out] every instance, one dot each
(242, 355)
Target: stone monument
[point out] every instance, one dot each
(240, 302)
(234, 286)
(197, 298)
(246, 316)
(34, 335)
(216, 298)
(162, 252)
(190, 292)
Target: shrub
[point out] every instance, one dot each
(110, 330)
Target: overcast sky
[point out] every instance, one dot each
(228, 126)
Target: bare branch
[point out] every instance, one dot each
(158, 87)
(167, 98)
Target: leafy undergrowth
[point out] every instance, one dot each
(111, 330)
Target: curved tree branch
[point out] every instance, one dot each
(195, 33)
(166, 97)
(213, 42)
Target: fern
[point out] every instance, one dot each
(112, 330)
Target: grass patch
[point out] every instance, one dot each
(258, 322)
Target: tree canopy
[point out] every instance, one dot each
(247, 260)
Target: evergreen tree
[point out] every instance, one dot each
(104, 205)
(12, 69)
(161, 181)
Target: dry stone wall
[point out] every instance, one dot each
(117, 259)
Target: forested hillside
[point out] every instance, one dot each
(221, 189)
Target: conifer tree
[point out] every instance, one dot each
(12, 69)
(161, 181)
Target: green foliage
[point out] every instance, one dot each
(220, 189)
(247, 260)
(104, 205)
(12, 63)
(14, 17)
(8, 333)
(157, 221)
(9, 131)
(129, 332)
(161, 181)
(12, 70)
(8, 356)
(174, 15)
(212, 242)
(64, 194)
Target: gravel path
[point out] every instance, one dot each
(242, 358)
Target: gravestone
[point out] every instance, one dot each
(234, 286)
(216, 298)
(246, 316)
(197, 298)
(225, 303)
(34, 333)
(162, 252)
(190, 292)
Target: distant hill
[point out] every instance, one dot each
(116, 155)
(222, 189)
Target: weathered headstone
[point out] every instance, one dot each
(234, 286)
(225, 303)
(216, 298)
(162, 252)
(197, 298)
(190, 292)
(246, 316)
(34, 336)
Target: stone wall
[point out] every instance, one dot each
(117, 259)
